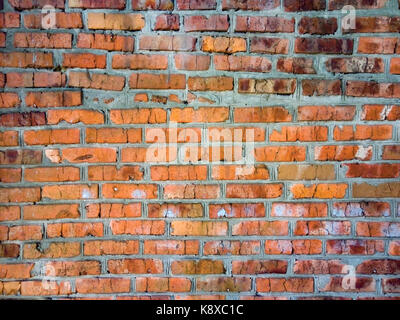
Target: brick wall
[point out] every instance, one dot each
(88, 88)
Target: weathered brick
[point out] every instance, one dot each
(264, 24)
(206, 23)
(115, 21)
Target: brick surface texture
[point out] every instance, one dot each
(88, 88)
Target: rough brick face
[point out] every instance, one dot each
(200, 149)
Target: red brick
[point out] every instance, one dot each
(361, 284)
(292, 134)
(372, 89)
(36, 288)
(10, 175)
(19, 194)
(113, 210)
(203, 266)
(23, 233)
(138, 116)
(110, 247)
(53, 99)
(52, 136)
(394, 248)
(206, 23)
(296, 65)
(9, 100)
(231, 248)
(258, 5)
(242, 63)
(168, 247)
(378, 171)
(225, 284)
(96, 4)
(58, 174)
(140, 61)
(24, 156)
(9, 20)
(267, 86)
(363, 132)
(354, 247)
(28, 4)
(264, 24)
(84, 60)
(113, 135)
(319, 191)
(297, 210)
(8, 138)
(298, 5)
(135, 266)
(103, 285)
(285, 284)
(167, 22)
(152, 5)
(54, 250)
(378, 45)
(129, 191)
(26, 119)
(355, 65)
(148, 227)
(191, 191)
(26, 60)
(223, 44)
(75, 116)
(269, 45)
(379, 24)
(49, 212)
(192, 62)
(391, 285)
(62, 21)
(178, 173)
(70, 192)
(280, 154)
(391, 152)
(167, 43)
(115, 21)
(236, 210)
(9, 213)
(322, 228)
(318, 267)
(9, 251)
(105, 42)
(75, 230)
(358, 4)
(341, 153)
(318, 87)
(43, 40)
(377, 229)
(96, 81)
(326, 113)
(317, 25)
(289, 247)
(175, 210)
(196, 4)
(323, 46)
(363, 209)
(261, 228)
(73, 268)
(210, 84)
(380, 113)
(155, 284)
(157, 81)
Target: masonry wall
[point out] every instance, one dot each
(88, 87)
